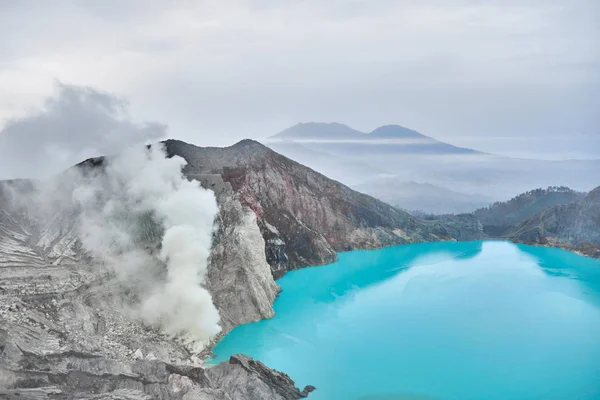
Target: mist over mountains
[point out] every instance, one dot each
(141, 241)
(388, 139)
(152, 203)
(391, 159)
(425, 197)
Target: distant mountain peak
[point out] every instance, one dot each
(330, 124)
(396, 132)
(341, 139)
(248, 143)
(338, 131)
(319, 130)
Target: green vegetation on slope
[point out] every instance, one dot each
(497, 217)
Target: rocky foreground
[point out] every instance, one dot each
(68, 328)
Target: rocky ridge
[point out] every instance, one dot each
(64, 334)
(64, 328)
(304, 216)
(573, 226)
(499, 217)
(555, 216)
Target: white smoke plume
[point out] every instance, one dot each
(75, 123)
(136, 214)
(141, 202)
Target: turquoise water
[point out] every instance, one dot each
(445, 321)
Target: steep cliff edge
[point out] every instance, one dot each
(305, 217)
(68, 329)
(67, 326)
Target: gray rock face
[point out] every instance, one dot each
(33, 368)
(305, 217)
(264, 383)
(239, 277)
(67, 328)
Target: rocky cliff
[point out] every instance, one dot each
(67, 328)
(574, 226)
(65, 332)
(305, 217)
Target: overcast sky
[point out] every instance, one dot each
(515, 77)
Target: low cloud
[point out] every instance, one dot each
(75, 123)
(477, 74)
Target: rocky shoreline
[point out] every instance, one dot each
(591, 252)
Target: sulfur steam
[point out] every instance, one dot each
(135, 213)
(141, 217)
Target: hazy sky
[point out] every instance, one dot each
(516, 77)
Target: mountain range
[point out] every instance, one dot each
(394, 156)
(66, 323)
(64, 313)
(340, 138)
(337, 131)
